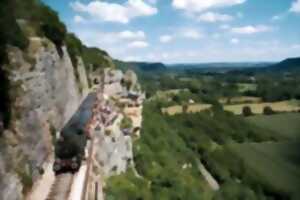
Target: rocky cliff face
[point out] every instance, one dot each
(44, 95)
(114, 145)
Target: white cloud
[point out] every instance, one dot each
(214, 17)
(138, 44)
(250, 29)
(165, 38)
(113, 42)
(201, 5)
(234, 41)
(138, 35)
(113, 37)
(79, 19)
(295, 7)
(113, 12)
(276, 17)
(192, 34)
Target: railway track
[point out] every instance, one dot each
(61, 187)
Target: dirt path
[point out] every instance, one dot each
(209, 178)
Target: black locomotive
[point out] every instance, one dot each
(70, 147)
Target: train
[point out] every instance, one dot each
(70, 147)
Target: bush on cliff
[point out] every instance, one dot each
(75, 47)
(10, 31)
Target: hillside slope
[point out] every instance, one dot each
(140, 66)
(290, 64)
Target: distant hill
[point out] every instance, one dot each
(219, 65)
(140, 66)
(287, 65)
(290, 64)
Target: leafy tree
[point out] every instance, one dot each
(268, 110)
(11, 33)
(52, 27)
(126, 123)
(247, 111)
(75, 47)
(96, 58)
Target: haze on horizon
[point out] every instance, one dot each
(186, 31)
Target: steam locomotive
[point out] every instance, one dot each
(70, 147)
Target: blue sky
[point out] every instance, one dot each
(186, 31)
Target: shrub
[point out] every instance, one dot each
(52, 27)
(11, 33)
(95, 57)
(126, 123)
(74, 47)
(26, 179)
(185, 108)
(247, 111)
(268, 110)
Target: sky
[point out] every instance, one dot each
(186, 31)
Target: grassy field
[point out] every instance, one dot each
(193, 108)
(239, 100)
(244, 87)
(286, 124)
(257, 108)
(169, 93)
(275, 165)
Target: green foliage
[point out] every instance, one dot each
(159, 157)
(247, 111)
(285, 125)
(235, 191)
(52, 27)
(283, 178)
(168, 143)
(11, 33)
(268, 111)
(75, 47)
(95, 57)
(44, 20)
(126, 123)
(246, 167)
(26, 179)
(127, 187)
(277, 88)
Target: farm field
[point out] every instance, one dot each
(275, 165)
(244, 87)
(286, 124)
(193, 108)
(241, 99)
(237, 109)
(168, 93)
(257, 108)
